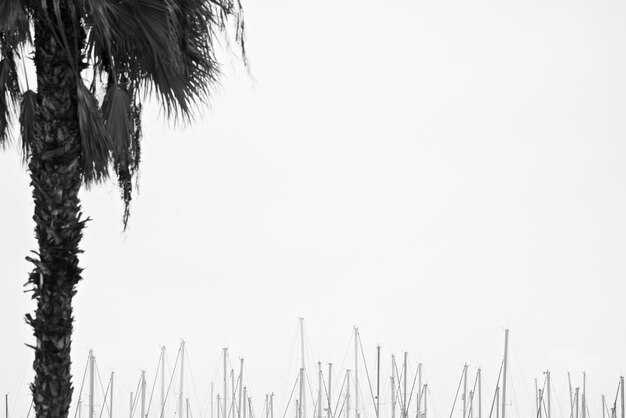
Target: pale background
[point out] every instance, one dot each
(433, 172)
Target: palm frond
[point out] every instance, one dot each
(95, 142)
(124, 128)
(9, 95)
(14, 24)
(27, 121)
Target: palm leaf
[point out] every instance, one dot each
(95, 142)
(14, 24)
(27, 121)
(9, 95)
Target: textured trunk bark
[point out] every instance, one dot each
(56, 178)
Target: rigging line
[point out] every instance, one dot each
(290, 396)
(154, 383)
(339, 398)
(367, 374)
(193, 382)
(327, 395)
(80, 393)
(104, 401)
(135, 399)
(30, 408)
(432, 402)
(493, 402)
(541, 402)
(471, 408)
(342, 405)
(514, 395)
(169, 384)
(556, 398)
(100, 380)
(408, 404)
(458, 389)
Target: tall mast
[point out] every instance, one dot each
(187, 403)
(91, 383)
(621, 383)
(302, 388)
(272, 405)
(131, 404)
(240, 386)
(497, 401)
(419, 389)
(571, 399)
(603, 407)
(111, 397)
(425, 415)
(536, 399)
(576, 397)
(356, 372)
(319, 389)
(143, 394)
(480, 395)
(162, 379)
(182, 377)
(6, 405)
(548, 384)
(347, 393)
(393, 387)
(404, 373)
(506, 354)
(224, 415)
(377, 381)
(584, 402)
(233, 389)
(330, 386)
(218, 405)
(465, 391)
(245, 396)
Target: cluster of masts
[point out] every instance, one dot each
(409, 396)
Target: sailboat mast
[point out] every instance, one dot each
(425, 414)
(419, 389)
(319, 389)
(111, 397)
(240, 386)
(465, 391)
(480, 394)
(356, 372)
(584, 401)
(393, 387)
(548, 384)
(378, 381)
(302, 388)
(404, 375)
(330, 386)
(505, 366)
(143, 394)
(91, 383)
(162, 379)
(131, 404)
(225, 382)
(621, 383)
(182, 379)
(347, 393)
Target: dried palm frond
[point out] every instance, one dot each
(95, 142)
(27, 121)
(9, 95)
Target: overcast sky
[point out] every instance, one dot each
(433, 172)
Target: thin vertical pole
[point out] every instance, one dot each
(548, 384)
(347, 393)
(621, 382)
(234, 390)
(419, 389)
(404, 373)
(240, 386)
(584, 402)
(143, 394)
(319, 389)
(425, 414)
(465, 391)
(162, 379)
(111, 397)
(506, 355)
(497, 402)
(182, 379)
(330, 386)
(603, 407)
(571, 394)
(212, 387)
(272, 405)
(218, 405)
(480, 394)
(91, 383)
(576, 396)
(225, 382)
(6, 405)
(302, 388)
(187, 404)
(131, 404)
(378, 381)
(80, 408)
(245, 396)
(393, 387)
(356, 373)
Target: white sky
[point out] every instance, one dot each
(432, 172)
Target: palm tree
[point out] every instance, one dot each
(121, 51)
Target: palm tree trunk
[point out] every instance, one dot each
(55, 172)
